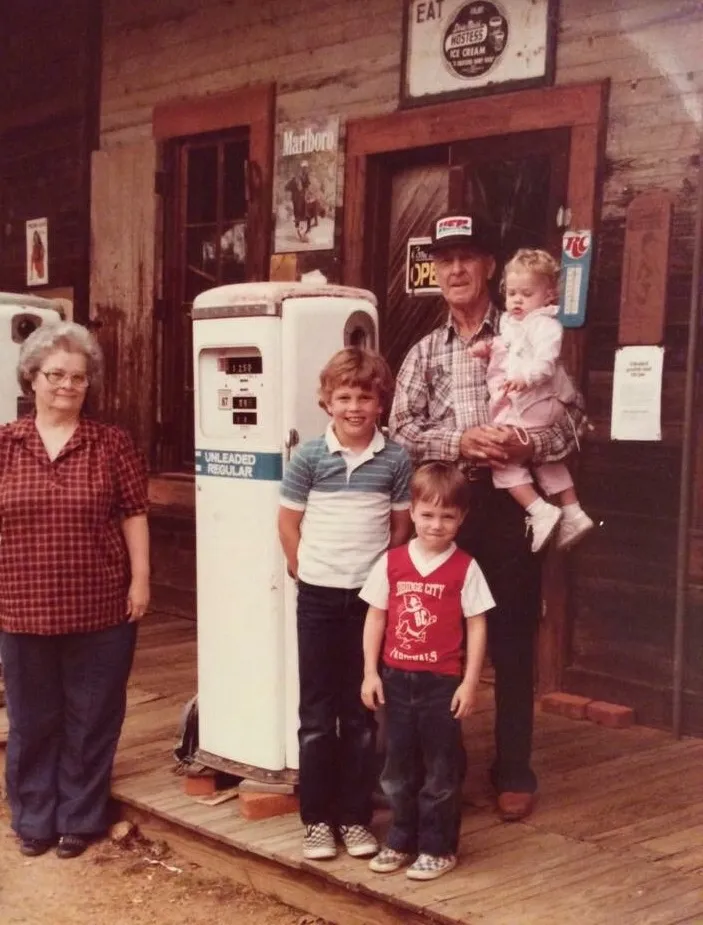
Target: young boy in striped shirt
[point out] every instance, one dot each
(344, 501)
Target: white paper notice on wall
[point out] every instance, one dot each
(637, 394)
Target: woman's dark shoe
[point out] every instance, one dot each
(35, 847)
(71, 846)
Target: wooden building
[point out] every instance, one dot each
(190, 98)
(48, 129)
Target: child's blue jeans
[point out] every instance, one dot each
(337, 734)
(425, 762)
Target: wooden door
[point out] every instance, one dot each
(518, 181)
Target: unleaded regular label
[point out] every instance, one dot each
(229, 464)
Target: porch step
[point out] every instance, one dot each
(264, 857)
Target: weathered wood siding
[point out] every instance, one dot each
(49, 68)
(122, 273)
(345, 57)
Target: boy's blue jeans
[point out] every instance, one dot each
(425, 762)
(337, 734)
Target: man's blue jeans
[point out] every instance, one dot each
(425, 762)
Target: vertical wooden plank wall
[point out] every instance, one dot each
(48, 126)
(123, 219)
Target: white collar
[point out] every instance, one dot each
(424, 564)
(377, 443)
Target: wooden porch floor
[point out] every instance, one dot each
(617, 836)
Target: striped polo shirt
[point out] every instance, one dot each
(347, 498)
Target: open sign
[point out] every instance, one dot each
(420, 274)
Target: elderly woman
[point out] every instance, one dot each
(74, 581)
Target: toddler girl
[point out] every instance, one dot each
(527, 387)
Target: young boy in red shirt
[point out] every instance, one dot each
(426, 625)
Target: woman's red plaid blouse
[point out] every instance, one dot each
(64, 566)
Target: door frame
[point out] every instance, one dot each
(253, 109)
(582, 109)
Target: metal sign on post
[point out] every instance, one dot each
(576, 253)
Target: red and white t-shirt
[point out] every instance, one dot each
(426, 600)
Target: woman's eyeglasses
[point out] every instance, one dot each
(58, 377)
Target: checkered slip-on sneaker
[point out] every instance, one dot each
(358, 840)
(430, 866)
(319, 843)
(389, 860)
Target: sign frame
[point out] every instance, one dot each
(306, 165)
(481, 86)
(419, 289)
(645, 271)
(37, 251)
(576, 258)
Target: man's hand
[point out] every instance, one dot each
(483, 445)
(496, 446)
(372, 691)
(517, 445)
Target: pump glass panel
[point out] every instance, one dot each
(243, 366)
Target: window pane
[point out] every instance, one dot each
(202, 185)
(515, 195)
(235, 204)
(201, 260)
(233, 253)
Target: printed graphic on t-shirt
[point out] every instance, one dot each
(413, 621)
(415, 617)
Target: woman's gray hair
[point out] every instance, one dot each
(60, 335)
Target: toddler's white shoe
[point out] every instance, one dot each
(542, 524)
(573, 527)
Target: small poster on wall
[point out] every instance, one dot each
(637, 394)
(305, 185)
(37, 233)
(458, 48)
(420, 275)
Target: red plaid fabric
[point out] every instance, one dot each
(64, 566)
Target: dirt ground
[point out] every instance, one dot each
(142, 883)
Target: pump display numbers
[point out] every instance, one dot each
(244, 402)
(243, 366)
(243, 417)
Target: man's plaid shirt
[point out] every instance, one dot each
(441, 391)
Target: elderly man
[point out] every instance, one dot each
(441, 412)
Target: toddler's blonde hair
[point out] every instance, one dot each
(533, 260)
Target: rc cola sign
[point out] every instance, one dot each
(576, 251)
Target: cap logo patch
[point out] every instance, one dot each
(454, 226)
